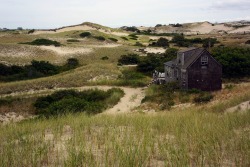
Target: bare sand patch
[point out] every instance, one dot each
(155, 50)
(67, 50)
(206, 28)
(157, 37)
(10, 117)
(241, 30)
(243, 107)
(21, 51)
(105, 46)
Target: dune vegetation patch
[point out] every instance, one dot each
(91, 101)
(36, 69)
(43, 42)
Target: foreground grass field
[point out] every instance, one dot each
(191, 138)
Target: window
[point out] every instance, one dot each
(204, 60)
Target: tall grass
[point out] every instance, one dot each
(188, 138)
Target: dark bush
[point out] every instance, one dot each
(155, 61)
(176, 25)
(124, 38)
(35, 70)
(105, 58)
(180, 40)
(42, 41)
(113, 39)
(247, 42)
(203, 97)
(138, 44)
(209, 42)
(73, 40)
(85, 34)
(71, 101)
(72, 63)
(158, 25)
(44, 67)
(31, 31)
(235, 61)
(161, 42)
(133, 29)
(133, 36)
(129, 59)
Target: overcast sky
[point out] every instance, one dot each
(116, 13)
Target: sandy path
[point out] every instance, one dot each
(131, 99)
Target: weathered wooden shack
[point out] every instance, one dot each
(194, 68)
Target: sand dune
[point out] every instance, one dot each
(203, 28)
(67, 50)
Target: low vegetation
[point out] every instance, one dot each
(181, 41)
(73, 40)
(100, 38)
(42, 41)
(113, 39)
(235, 61)
(165, 96)
(129, 59)
(85, 34)
(36, 69)
(71, 101)
(161, 42)
(155, 61)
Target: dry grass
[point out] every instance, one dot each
(188, 138)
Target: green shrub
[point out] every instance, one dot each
(113, 39)
(42, 41)
(131, 75)
(71, 63)
(31, 31)
(73, 40)
(203, 97)
(71, 101)
(209, 42)
(35, 70)
(133, 36)
(124, 38)
(139, 44)
(161, 42)
(105, 58)
(85, 34)
(235, 61)
(129, 59)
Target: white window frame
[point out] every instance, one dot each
(204, 60)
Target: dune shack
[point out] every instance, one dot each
(194, 68)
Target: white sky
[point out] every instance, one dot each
(117, 13)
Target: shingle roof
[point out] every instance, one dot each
(171, 63)
(191, 55)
